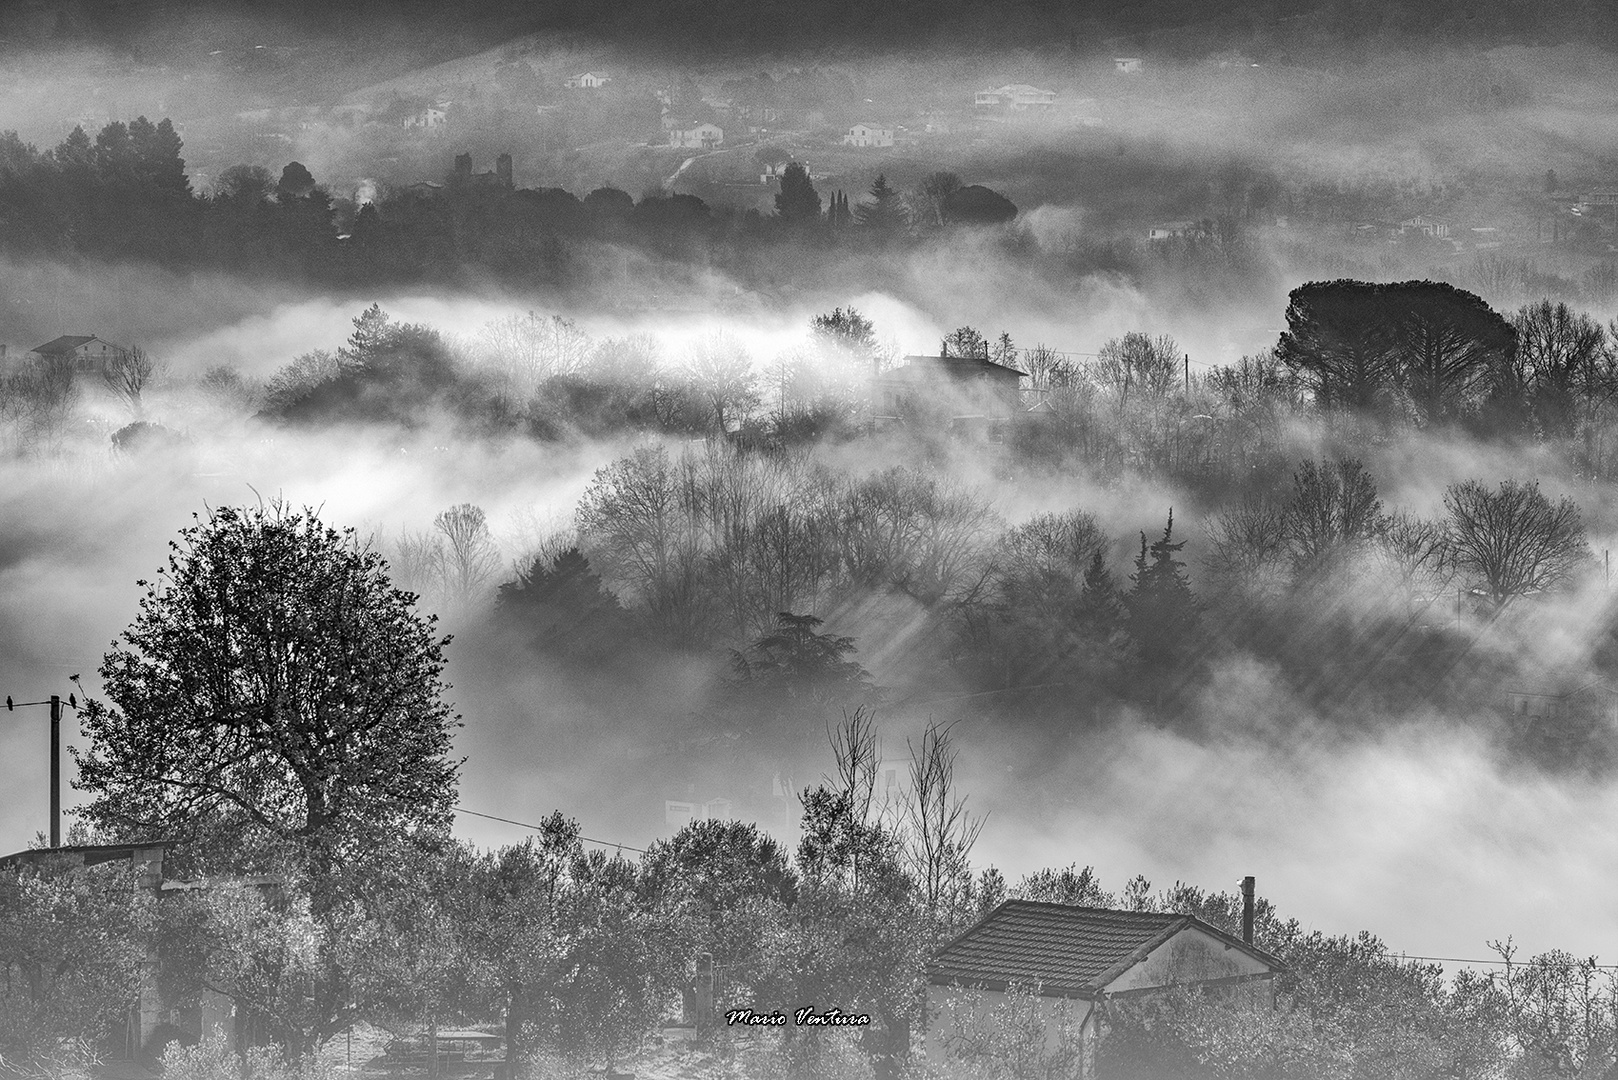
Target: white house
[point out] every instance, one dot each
(1018, 97)
(1173, 230)
(1074, 960)
(589, 80)
(701, 137)
(429, 119)
(868, 135)
(1127, 65)
(1425, 226)
(85, 352)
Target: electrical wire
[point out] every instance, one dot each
(537, 828)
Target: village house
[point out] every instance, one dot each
(1074, 960)
(1565, 715)
(85, 352)
(1424, 226)
(1128, 65)
(589, 80)
(430, 119)
(1016, 97)
(700, 137)
(868, 135)
(1174, 230)
(964, 394)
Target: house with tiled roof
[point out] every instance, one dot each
(946, 392)
(1073, 961)
(85, 351)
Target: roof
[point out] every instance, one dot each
(1068, 951)
(93, 854)
(965, 365)
(64, 344)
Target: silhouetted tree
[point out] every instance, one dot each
(1513, 541)
(884, 214)
(1163, 615)
(977, 205)
(798, 202)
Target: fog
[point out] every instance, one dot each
(1419, 823)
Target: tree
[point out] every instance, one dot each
(934, 192)
(965, 341)
(1562, 356)
(74, 943)
(845, 329)
(277, 704)
(563, 610)
(797, 202)
(1149, 366)
(1513, 541)
(245, 185)
(1162, 613)
(1334, 514)
(296, 182)
(126, 375)
(977, 205)
(884, 214)
(470, 555)
(723, 377)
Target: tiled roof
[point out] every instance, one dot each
(975, 364)
(64, 344)
(1066, 950)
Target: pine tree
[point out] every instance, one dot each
(885, 214)
(1162, 614)
(798, 201)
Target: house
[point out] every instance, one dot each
(1128, 65)
(589, 80)
(771, 171)
(463, 176)
(701, 137)
(430, 119)
(1424, 226)
(1017, 97)
(868, 135)
(1076, 959)
(1562, 714)
(85, 352)
(1174, 230)
(961, 393)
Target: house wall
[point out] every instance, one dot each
(1192, 956)
(958, 1019)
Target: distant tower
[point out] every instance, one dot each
(463, 169)
(502, 170)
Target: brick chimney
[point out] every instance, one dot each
(1248, 884)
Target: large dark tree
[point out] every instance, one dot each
(1163, 616)
(798, 202)
(1358, 344)
(278, 704)
(978, 205)
(884, 214)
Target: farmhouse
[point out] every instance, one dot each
(967, 394)
(1017, 97)
(1074, 960)
(589, 80)
(701, 137)
(85, 352)
(1128, 65)
(430, 119)
(868, 135)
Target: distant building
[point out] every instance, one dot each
(700, 137)
(771, 172)
(1485, 237)
(1174, 230)
(1017, 97)
(961, 393)
(430, 119)
(589, 80)
(1424, 226)
(868, 135)
(1128, 65)
(1075, 959)
(85, 352)
(463, 176)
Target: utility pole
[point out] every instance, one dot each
(55, 702)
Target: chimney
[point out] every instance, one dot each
(1247, 909)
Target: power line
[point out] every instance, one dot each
(1519, 963)
(539, 828)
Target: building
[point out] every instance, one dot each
(463, 176)
(430, 119)
(966, 394)
(700, 137)
(589, 80)
(1128, 65)
(1565, 716)
(1424, 226)
(85, 352)
(868, 135)
(1016, 97)
(1076, 959)
(1175, 230)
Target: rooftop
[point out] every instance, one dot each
(1067, 951)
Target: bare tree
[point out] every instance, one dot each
(470, 555)
(1333, 514)
(1513, 541)
(940, 832)
(1561, 1011)
(722, 376)
(126, 374)
(1149, 366)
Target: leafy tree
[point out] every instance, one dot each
(797, 202)
(74, 943)
(296, 182)
(966, 341)
(1513, 541)
(977, 205)
(563, 610)
(245, 185)
(846, 329)
(798, 664)
(1069, 885)
(278, 704)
